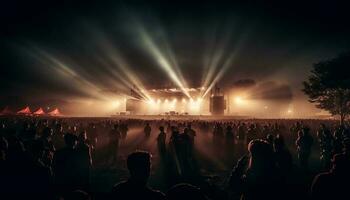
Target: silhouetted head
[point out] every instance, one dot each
(82, 136)
(161, 129)
(261, 154)
(47, 132)
(186, 130)
(340, 163)
(278, 143)
(139, 166)
(346, 132)
(300, 133)
(185, 191)
(306, 130)
(346, 145)
(115, 126)
(270, 138)
(70, 140)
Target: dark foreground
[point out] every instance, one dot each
(82, 158)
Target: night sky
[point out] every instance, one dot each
(55, 51)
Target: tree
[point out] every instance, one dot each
(328, 86)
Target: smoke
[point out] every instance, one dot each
(272, 90)
(244, 83)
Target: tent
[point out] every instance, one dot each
(25, 111)
(40, 111)
(55, 112)
(6, 111)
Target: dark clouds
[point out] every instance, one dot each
(280, 41)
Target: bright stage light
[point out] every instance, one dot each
(184, 100)
(115, 104)
(239, 100)
(151, 102)
(166, 101)
(158, 101)
(289, 111)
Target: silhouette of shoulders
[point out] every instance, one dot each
(130, 190)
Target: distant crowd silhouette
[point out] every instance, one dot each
(72, 158)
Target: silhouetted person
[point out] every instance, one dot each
(65, 166)
(58, 137)
(333, 184)
(283, 157)
(185, 152)
(84, 161)
(338, 140)
(192, 134)
(326, 146)
(139, 166)
(147, 130)
(304, 144)
(229, 143)
(242, 129)
(265, 131)
(270, 139)
(161, 141)
(47, 139)
(260, 179)
(92, 136)
(18, 161)
(49, 147)
(114, 142)
(124, 130)
(39, 174)
(251, 133)
(229, 136)
(218, 136)
(175, 145)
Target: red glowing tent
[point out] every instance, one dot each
(25, 111)
(55, 112)
(6, 111)
(40, 111)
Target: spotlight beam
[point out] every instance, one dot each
(68, 73)
(161, 59)
(217, 52)
(226, 65)
(123, 72)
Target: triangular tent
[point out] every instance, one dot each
(40, 111)
(6, 111)
(25, 111)
(55, 112)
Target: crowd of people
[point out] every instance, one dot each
(59, 158)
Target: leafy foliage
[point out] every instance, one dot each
(329, 85)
